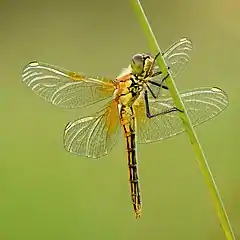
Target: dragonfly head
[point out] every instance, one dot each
(137, 64)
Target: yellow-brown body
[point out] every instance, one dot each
(129, 88)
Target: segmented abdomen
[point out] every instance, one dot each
(128, 123)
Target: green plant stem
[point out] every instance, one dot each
(202, 161)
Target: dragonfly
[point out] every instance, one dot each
(138, 103)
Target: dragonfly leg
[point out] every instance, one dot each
(149, 115)
(160, 85)
(162, 81)
(148, 73)
(158, 73)
(156, 56)
(152, 93)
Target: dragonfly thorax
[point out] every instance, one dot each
(130, 85)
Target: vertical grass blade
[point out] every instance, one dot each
(187, 124)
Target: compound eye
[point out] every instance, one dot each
(138, 58)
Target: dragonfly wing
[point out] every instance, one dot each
(93, 136)
(201, 105)
(64, 88)
(176, 58)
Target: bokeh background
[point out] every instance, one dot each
(47, 193)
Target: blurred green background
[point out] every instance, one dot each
(47, 193)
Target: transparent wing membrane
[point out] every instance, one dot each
(176, 57)
(201, 104)
(96, 135)
(93, 136)
(64, 88)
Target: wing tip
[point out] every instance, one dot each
(222, 92)
(185, 39)
(67, 127)
(217, 89)
(33, 63)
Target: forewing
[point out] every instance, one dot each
(64, 88)
(93, 136)
(201, 104)
(176, 58)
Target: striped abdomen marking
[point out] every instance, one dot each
(128, 123)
